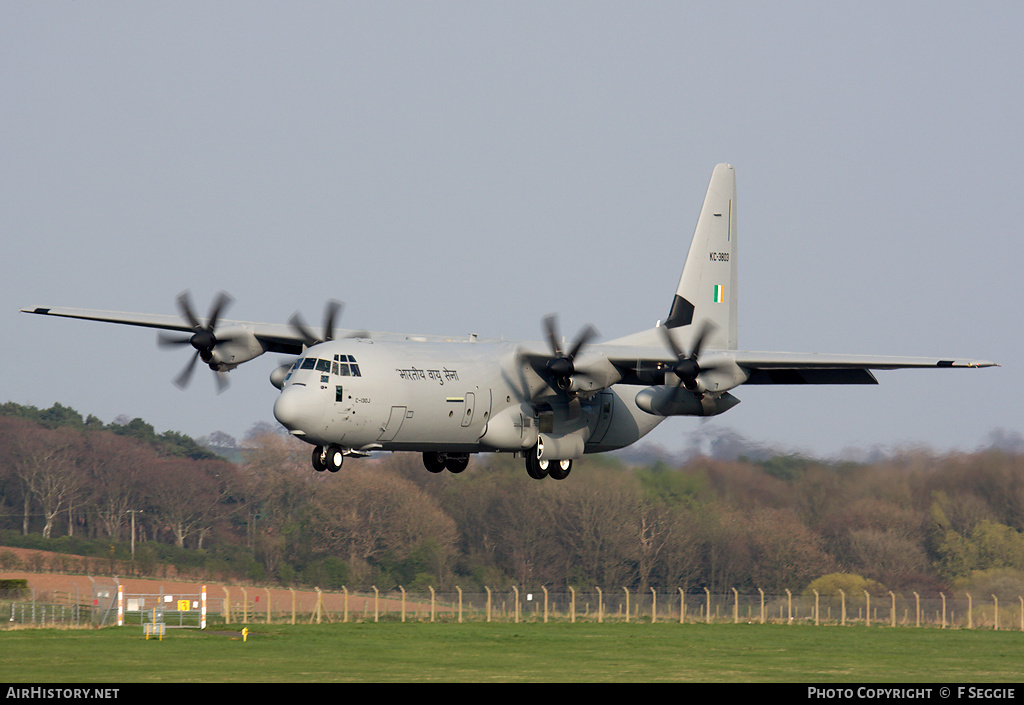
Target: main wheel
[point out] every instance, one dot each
(456, 462)
(333, 458)
(434, 461)
(319, 460)
(535, 467)
(560, 469)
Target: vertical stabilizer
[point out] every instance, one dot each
(707, 287)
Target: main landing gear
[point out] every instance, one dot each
(328, 458)
(436, 461)
(539, 469)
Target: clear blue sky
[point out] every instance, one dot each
(457, 167)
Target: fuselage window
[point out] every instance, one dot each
(309, 363)
(323, 366)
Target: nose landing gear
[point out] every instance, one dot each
(328, 458)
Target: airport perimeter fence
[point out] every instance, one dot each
(109, 604)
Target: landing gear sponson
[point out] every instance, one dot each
(330, 458)
(538, 469)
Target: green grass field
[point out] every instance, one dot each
(494, 653)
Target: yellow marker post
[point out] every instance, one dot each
(245, 633)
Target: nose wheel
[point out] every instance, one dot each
(329, 458)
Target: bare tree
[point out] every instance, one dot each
(45, 462)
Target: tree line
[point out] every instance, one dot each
(910, 521)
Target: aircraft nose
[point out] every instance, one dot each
(297, 409)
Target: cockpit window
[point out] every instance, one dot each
(347, 366)
(342, 365)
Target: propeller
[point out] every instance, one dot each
(203, 339)
(332, 310)
(561, 366)
(688, 367)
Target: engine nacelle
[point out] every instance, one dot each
(234, 346)
(279, 373)
(678, 401)
(592, 373)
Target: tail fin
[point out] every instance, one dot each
(707, 287)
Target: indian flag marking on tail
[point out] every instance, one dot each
(719, 294)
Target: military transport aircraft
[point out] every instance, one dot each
(352, 392)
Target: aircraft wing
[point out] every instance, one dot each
(787, 368)
(817, 368)
(275, 337)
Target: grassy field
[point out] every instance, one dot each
(494, 653)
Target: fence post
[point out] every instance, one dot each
(867, 608)
(515, 613)
(892, 609)
(842, 602)
(544, 589)
(682, 605)
(600, 606)
(344, 590)
(245, 606)
(572, 604)
(402, 588)
(227, 604)
(654, 606)
(460, 603)
(970, 611)
(817, 611)
(292, 590)
(917, 609)
(996, 601)
(735, 606)
(943, 609)
(267, 590)
(707, 608)
(627, 604)
(789, 607)
(488, 602)
(376, 603)
(433, 604)
(759, 590)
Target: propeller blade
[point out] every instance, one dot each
(222, 381)
(185, 304)
(297, 322)
(585, 336)
(331, 312)
(222, 302)
(551, 327)
(167, 340)
(676, 350)
(185, 376)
